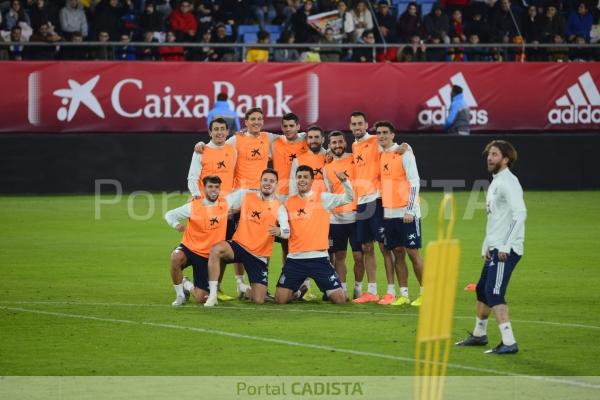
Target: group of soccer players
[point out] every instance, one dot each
(313, 201)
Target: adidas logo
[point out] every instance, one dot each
(581, 104)
(438, 106)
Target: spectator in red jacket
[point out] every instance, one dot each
(183, 22)
(171, 53)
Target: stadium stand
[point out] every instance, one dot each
(558, 22)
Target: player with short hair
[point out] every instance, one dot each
(315, 158)
(252, 243)
(342, 220)
(502, 247)
(400, 185)
(308, 213)
(218, 159)
(285, 149)
(207, 225)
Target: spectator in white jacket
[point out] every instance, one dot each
(73, 19)
(362, 17)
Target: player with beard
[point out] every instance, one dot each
(314, 158)
(252, 243)
(207, 225)
(342, 219)
(502, 247)
(285, 150)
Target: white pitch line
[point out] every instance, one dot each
(295, 344)
(298, 310)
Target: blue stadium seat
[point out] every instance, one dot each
(426, 6)
(250, 37)
(275, 37)
(401, 7)
(243, 29)
(274, 29)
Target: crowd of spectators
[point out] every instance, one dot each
(451, 22)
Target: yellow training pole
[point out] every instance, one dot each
(436, 312)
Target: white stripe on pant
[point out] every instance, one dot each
(499, 276)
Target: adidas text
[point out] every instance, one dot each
(438, 117)
(574, 115)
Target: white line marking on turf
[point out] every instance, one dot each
(294, 344)
(289, 309)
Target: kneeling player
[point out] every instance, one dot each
(308, 212)
(252, 243)
(207, 225)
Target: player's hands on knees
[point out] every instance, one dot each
(408, 218)
(502, 256)
(199, 147)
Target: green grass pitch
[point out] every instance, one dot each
(86, 296)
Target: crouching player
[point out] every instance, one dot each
(308, 213)
(207, 225)
(252, 243)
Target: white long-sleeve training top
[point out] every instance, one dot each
(412, 175)
(506, 213)
(196, 169)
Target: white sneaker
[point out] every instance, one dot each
(179, 301)
(211, 301)
(187, 287)
(187, 284)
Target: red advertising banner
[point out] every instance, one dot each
(164, 97)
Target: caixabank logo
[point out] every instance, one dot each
(437, 107)
(134, 98)
(580, 105)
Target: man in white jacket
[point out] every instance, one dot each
(502, 247)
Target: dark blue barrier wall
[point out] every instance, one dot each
(71, 163)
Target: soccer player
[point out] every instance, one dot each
(285, 150)
(369, 213)
(207, 225)
(342, 219)
(315, 158)
(309, 229)
(218, 159)
(252, 243)
(400, 185)
(502, 247)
